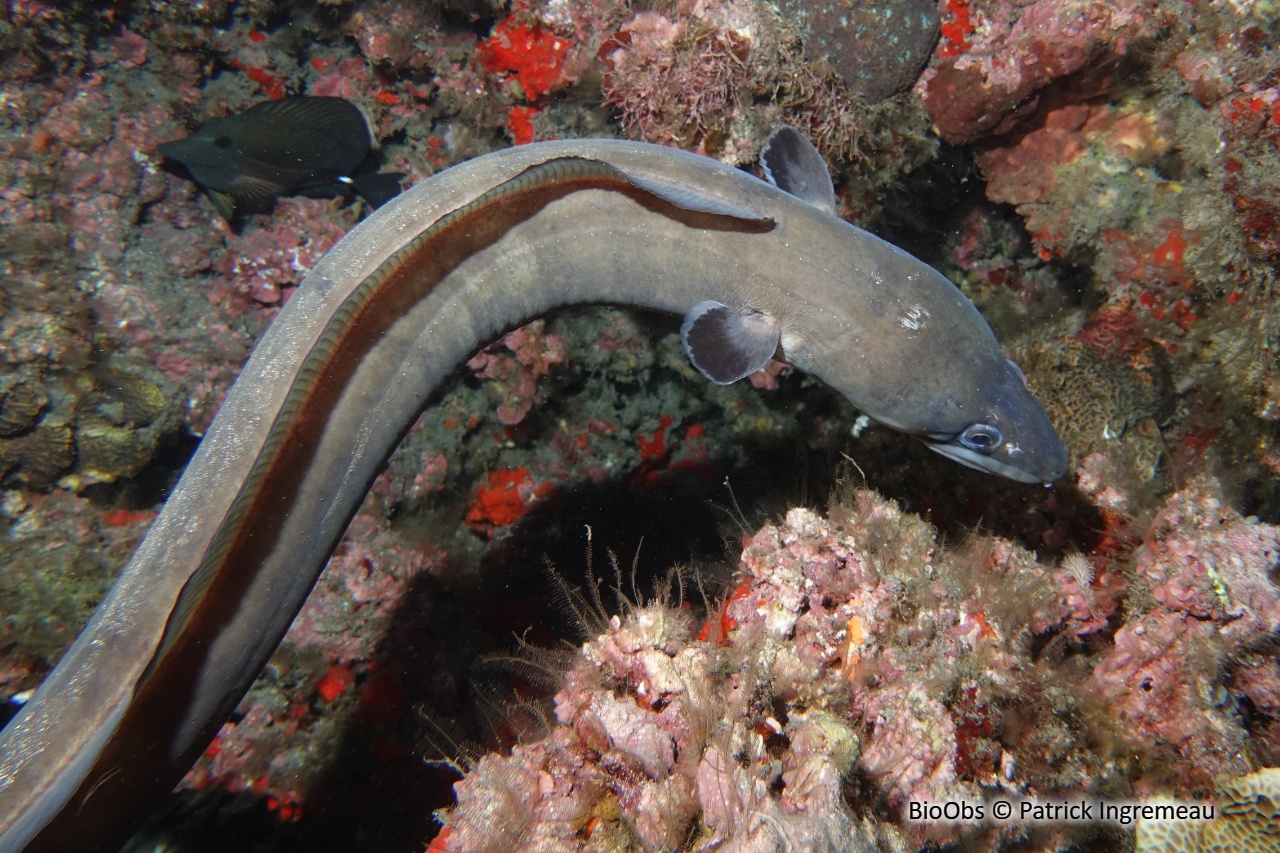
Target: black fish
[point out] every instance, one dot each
(295, 146)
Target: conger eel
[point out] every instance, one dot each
(756, 268)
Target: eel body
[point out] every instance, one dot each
(352, 360)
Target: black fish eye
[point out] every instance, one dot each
(222, 141)
(981, 438)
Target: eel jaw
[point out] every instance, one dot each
(992, 464)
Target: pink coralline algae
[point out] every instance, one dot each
(856, 648)
(1017, 49)
(1163, 662)
(1203, 559)
(260, 266)
(739, 743)
(361, 587)
(78, 166)
(711, 76)
(1053, 173)
(392, 33)
(1206, 568)
(675, 81)
(1027, 170)
(649, 741)
(766, 378)
(515, 376)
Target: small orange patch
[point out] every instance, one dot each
(1169, 253)
(335, 682)
(506, 496)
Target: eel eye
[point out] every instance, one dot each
(981, 438)
(222, 142)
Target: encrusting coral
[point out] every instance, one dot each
(1250, 821)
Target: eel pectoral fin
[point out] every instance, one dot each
(725, 345)
(793, 165)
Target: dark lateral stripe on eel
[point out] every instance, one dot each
(382, 299)
(249, 533)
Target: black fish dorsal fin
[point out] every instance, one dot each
(793, 165)
(334, 116)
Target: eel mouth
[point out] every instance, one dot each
(1038, 473)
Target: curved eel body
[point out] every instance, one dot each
(353, 359)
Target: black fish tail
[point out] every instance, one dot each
(377, 188)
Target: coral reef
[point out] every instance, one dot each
(663, 740)
(999, 55)
(1063, 176)
(515, 377)
(855, 648)
(323, 679)
(678, 82)
(1099, 177)
(65, 418)
(695, 81)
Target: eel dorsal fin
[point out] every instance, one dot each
(689, 198)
